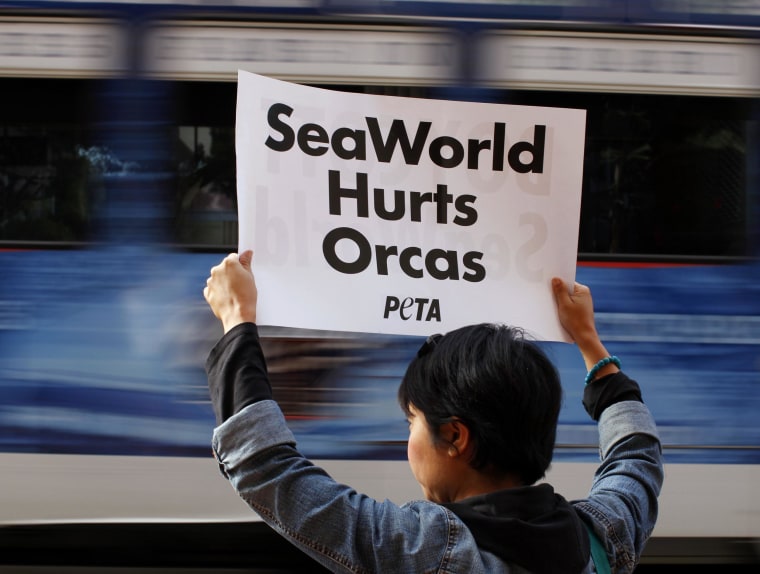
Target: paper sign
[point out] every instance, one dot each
(406, 216)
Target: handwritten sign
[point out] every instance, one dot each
(407, 216)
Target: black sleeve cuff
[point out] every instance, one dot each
(237, 372)
(608, 390)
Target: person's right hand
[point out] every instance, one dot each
(575, 309)
(576, 315)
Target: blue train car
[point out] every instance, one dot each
(117, 195)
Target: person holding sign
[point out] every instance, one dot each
(482, 404)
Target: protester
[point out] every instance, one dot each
(482, 404)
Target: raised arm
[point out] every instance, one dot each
(340, 528)
(622, 504)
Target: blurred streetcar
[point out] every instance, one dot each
(117, 194)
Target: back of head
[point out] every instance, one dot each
(502, 386)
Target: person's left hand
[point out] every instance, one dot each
(231, 290)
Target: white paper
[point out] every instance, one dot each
(352, 234)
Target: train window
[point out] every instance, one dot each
(664, 176)
(205, 200)
(206, 206)
(45, 161)
(42, 185)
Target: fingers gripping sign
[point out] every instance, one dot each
(575, 308)
(231, 290)
(576, 314)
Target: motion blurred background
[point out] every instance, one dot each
(117, 194)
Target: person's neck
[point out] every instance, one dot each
(476, 483)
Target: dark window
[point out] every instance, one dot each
(664, 176)
(46, 155)
(206, 203)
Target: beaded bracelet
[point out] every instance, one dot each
(595, 369)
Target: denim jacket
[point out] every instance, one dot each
(349, 532)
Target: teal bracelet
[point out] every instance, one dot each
(595, 369)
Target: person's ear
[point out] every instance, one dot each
(457, 435)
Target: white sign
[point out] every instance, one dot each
(406, 216)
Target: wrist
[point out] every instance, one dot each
(593, 351)
(590, 344)
(603, 367)
(236, 317)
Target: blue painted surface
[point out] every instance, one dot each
(102, 352)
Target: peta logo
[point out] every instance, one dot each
(417, 308)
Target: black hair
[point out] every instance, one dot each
(501, 385)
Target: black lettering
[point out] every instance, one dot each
(436, 151)
(434, 311)
(416, 201)
(442, 199)
(406, 262)
(474, 147)
(499, 136)
(406, 304)
(399, 205)
(475, 271)
(330, 242)
(391, 304)
(382, 252)
(288, 137)
(420, 306)
(536, 149)
(463, 203)
(359, 151)
(360, 193)
(313, 133)
(452, 267)
(397, 135)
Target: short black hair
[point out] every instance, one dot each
(501, 385)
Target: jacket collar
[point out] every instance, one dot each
(531, 526)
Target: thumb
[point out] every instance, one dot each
(245, 259)
(561, 294)
(558, 286)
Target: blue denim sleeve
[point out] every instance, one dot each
(340, 528)
(622, 504)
